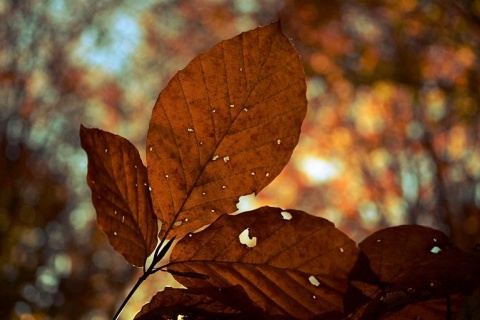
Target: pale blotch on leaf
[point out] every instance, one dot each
(245, 239)
(178, 223)
(286, 215)
(314, 281)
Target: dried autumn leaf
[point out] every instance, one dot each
(295, 264)
(432, 310)
(120, 194)
(225, 126)
(201, 303)
(392, 250)
(413, 264)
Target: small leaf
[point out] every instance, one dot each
(200, 303)
(120, 194)
(298, 268)
(225, 126)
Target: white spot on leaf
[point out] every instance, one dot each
(314, 281)
(341, 249)
(223, 187)
(151, 149)
(232, 106)
(267, 174)
(279, 141)
(123, 219)
(225, 159)
(149, 188)
(213, 111)
(252, 173)
(286, 215)
(246, 240)
(190, 130)
(114, 233)
(178, 223)
(166, 176)
(213, 210)
(215, 157)
(379, 240)
(106, 150)
(245, 109)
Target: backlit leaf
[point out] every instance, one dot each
(225, 126)
(120, 194)
(297, 267)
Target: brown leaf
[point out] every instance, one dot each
(120, 194)
(414, 265)
(392, 250)
(201, 303)
(225, 126)
(297, 268)
(432, 310)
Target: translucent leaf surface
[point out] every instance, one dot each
(120, 194)
(225, 126)
(297, 268)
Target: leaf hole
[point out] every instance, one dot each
(314, 281)
(223, 187)
(166, 176)
(212, 210)
(226, 159)
(267, 174)
(435, 250)
(252, 173)
(115, 233)
(286, 215)
(245, 239)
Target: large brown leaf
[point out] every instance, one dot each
(225, 126)
(120, 194)
(298, 267)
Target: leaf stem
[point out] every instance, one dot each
(130, 294)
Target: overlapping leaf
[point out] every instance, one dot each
(224, 126)
(414, 264)
(120, 194)
(201, 303)
(298, 267)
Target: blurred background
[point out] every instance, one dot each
(392, 134)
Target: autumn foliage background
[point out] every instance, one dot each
(391, 135)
